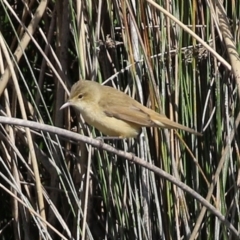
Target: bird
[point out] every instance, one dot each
(114, 113)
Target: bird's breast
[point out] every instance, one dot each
(110, 126)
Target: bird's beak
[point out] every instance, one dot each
(67, 104)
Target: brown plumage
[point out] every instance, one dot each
(114, 113)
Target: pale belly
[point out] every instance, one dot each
(111, 126)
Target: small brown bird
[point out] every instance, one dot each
(114, 113)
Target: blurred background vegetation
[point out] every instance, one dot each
(147, 49)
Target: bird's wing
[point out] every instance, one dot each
(128, 113)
